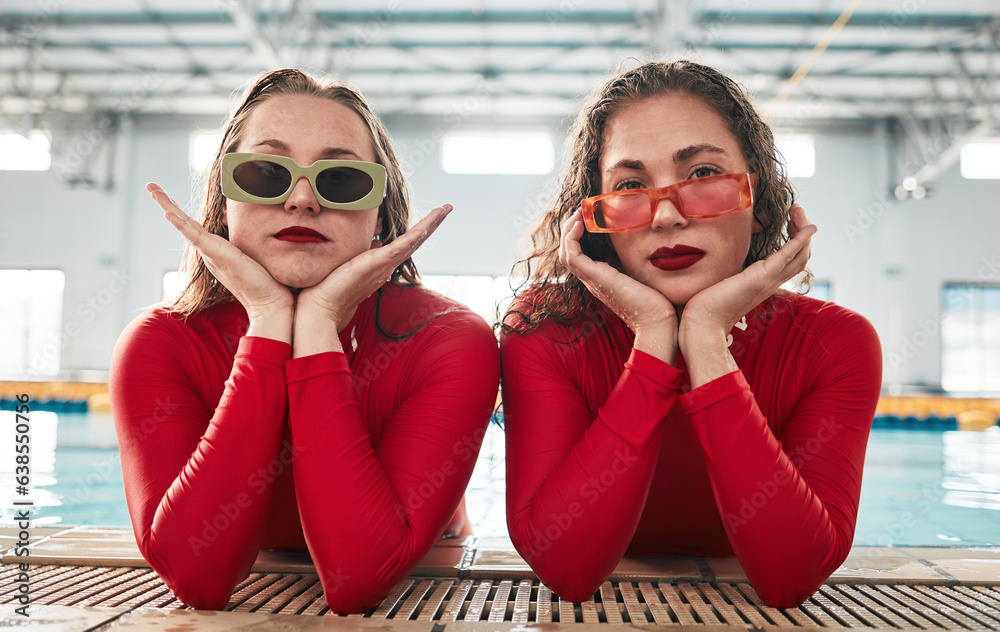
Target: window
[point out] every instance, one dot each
(981, 160)
(498, 153)
(31, 315)
(174, 283)
(476, 292)
(799, 154)
(201, 150)
(24, 153)
(482, 294)
(818, 289)
(970, 338)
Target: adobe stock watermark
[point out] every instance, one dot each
(767, 489)
(558, 16)
(369, 370)
(532, 206)
(104, 470)
(424, 148)
(465, 449)
(85, 313)
(74, 153)
(712, 30)
(900, 13)
(867, 216)
(229, 511)
(29, 29)
(920, 504)
(593, 321)
(590, 492)
(372, 30)
(928, 329)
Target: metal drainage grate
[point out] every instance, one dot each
(871, 605)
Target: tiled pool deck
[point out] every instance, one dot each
(88, 578)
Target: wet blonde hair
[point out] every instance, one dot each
(203, 289)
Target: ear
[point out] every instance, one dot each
(757, 226)
(225, 219)
(378, 227)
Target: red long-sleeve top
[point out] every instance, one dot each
(610, 452)
(228, 445)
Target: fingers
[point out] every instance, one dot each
(165, 201)
(798, 222)
(569, 242)
(406, 244)
(190, 229)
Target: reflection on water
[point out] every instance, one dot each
(920, 488)
(972, 469)
(76, 475)
(931, 488)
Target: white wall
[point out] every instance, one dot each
(885, 259)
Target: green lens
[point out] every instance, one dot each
(343, 185)
(262, 178)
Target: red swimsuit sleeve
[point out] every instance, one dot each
(370, 514)
(790, 506)
(577, 485)
(197, 510)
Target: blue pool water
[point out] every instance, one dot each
(920, 487)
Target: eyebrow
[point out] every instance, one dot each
(329, 152)
(683, 154)
(679, 156)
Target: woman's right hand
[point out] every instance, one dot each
(269, 304)
(646, 311)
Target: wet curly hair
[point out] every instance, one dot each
(559, 295)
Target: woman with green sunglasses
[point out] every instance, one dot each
(302, 342)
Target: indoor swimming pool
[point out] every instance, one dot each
(931, 488)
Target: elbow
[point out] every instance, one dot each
(559, 567)
(563, 577)
(197, 586)
(346, 595)
(787, 592)
(200, 596)
(571, 589)
(790, 584)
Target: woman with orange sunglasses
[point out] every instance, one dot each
(303, 343)
(661, 393)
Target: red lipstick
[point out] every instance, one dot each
(300, 235)
(677, 257)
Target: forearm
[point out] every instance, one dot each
(584, 481)
(659, 342)
(706, 354)
(274, 324)
(315, 332)
(370, 515)
(577, 527)
(203, 531)
(786, 538)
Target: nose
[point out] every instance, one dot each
(302, 198)
(667, 215)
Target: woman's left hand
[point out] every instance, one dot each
(322, 310)
(714, 311)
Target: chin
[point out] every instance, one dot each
(300, 280)
(678, 296)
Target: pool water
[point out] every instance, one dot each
(920, 487)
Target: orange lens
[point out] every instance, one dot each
(703, 197)
(622, 211)
(709, 196)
